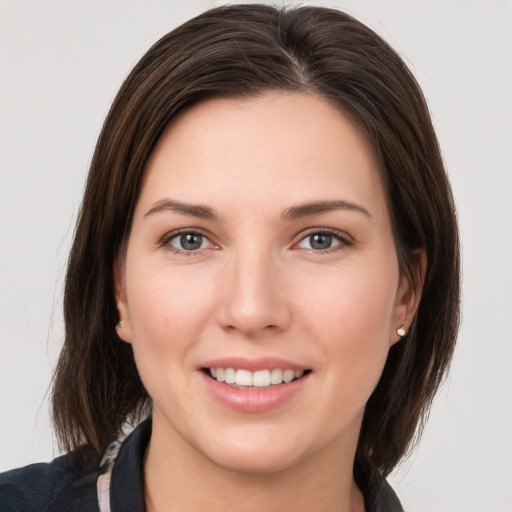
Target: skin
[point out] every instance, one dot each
(257, 287)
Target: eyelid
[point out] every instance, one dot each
(345, 239)
(165, 240)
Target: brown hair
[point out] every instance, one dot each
(243, 51)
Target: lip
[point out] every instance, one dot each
(253, 400)
(253, 365)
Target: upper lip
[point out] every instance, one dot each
(254, 364)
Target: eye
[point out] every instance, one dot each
(189, 241)
(322, 241)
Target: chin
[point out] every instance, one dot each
(250, 463)
(251, 456)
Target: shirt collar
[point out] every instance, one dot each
(127, 483)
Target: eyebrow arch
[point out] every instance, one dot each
(317, 207)
(192, 210)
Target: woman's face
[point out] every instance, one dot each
(261, 251)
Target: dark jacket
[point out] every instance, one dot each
(69, 483)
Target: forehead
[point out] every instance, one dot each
(276, 147)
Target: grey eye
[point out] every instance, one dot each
(191, 241)
(188, 241)
(320, 241)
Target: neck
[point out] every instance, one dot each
(178, 478)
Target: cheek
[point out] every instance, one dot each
(350, 318)
(352, 301)
(167, 309)
(167, 314)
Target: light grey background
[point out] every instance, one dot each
(61, 63)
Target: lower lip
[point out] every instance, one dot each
(254, 400)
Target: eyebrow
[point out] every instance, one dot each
(317, 207)
(292, 213)
(192, 210)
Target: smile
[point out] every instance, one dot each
(258, 379)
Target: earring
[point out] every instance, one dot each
(119, 324)
(401, 332)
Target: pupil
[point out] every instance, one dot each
(320, 241)
(190, 241)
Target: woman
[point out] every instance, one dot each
(266, 261)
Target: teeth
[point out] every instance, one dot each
(288, 375)
(259, 379)
(276, 376)
(243, 378)
(229, 376)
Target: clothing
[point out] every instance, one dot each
(73, 482)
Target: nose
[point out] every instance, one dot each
(253, 298)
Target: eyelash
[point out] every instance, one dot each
(342, 238)
(166, 241)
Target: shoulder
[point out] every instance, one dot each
(66, 483)
(70, 483)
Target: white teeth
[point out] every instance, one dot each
(288, 375)
(230, 376)
(260, 378)
(243, 378)
(276, 376)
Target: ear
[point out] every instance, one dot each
(408, 295)
(123, 328)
